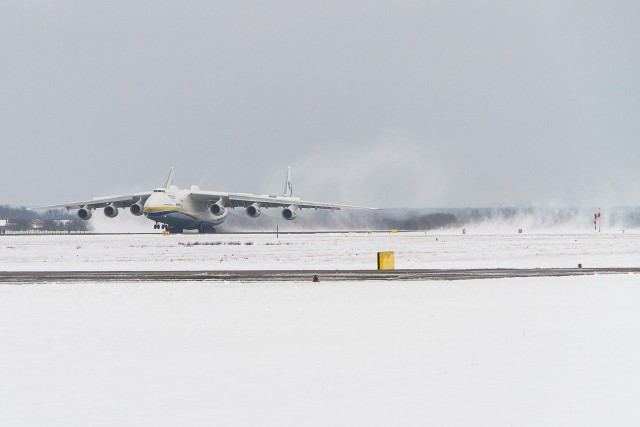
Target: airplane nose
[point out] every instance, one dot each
(150, 204)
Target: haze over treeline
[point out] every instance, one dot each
(539, 220)
(504, 219)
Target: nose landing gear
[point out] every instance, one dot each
(172, 230)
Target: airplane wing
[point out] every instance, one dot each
(123, 201)
(234, 200)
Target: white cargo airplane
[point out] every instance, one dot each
(194, 209)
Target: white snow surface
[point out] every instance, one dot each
(314, 251)
(508, 352)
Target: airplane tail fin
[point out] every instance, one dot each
(288, 190)
(169, 179)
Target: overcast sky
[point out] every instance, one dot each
(385, 103)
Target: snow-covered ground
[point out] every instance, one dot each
(522, 352)
(315, 251)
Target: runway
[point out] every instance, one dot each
(253, 276)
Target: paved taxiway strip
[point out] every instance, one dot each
(23, 277)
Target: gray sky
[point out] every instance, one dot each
(384, 103)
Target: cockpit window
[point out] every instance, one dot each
(158, 191)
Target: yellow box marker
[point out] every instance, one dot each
(394, 230)
(165, 233)
(385, 260)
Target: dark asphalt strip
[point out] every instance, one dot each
(24, 277)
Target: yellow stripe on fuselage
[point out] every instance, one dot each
(164, 208)
(160, 209)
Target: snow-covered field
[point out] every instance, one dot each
(522, 352)
(315, 251)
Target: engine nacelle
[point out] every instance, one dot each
(84, 214)
(290, 213)
(110, 211)
(253, 211)
(217, 209)
(136, 209)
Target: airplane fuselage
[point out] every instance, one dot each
(177, 209)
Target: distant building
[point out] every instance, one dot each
(36, 224)
(7, 223)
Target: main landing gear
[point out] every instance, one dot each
(206, 229)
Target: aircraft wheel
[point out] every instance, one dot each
(204, 229)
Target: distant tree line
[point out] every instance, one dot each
(427, 221)
(401, 219)
(20, 219)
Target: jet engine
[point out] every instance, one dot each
(136, 209)
(84, 214)
(253, 211)
(290, 213)
(110, 211)
(217, 209)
